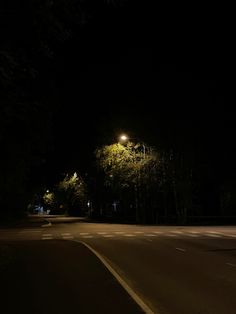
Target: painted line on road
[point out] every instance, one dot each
(49, 224)
(65, 234)
(230, 264)
(192, 235)
(150, 235)
(178, 232)
(121, 281)
(138, 231)
(213, 235)
(230, 235)
(119, 232)
(108, 235)
(47, 235)
(84, 233)
(47, 238)
(219, 234)
(101, 232)
(87, 236)
(179, 249)
(67, 237)
(129, 235)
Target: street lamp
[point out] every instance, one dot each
(125, 138)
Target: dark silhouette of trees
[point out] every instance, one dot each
(32, 33)
(71, 195)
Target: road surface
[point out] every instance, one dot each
(172, 269)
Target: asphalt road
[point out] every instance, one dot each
(172, 269)
(58, 277)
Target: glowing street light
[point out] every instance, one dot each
(123, 137)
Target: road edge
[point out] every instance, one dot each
(121, 281)
(48, 224)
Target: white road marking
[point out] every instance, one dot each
(101, 232)
(159, 232)
(150, 235)
(47, 235)
(178, 232)
(214, 232)
(65, 234)
(119, 232)
(47, 225)
(179, 249)
(213, 235)
(230, 264)
(83, 233)
(230, 235)
(108, 236)
(67, 237)
(192, 235)
(170, 235)
(87, 236)
(122, 282)
(138, 232)
(129, 235)
(47, 238)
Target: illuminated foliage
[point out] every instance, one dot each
(49, 198)
(71, 192)
(132, 172)
(127, 163)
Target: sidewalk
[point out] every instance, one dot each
(58, 277)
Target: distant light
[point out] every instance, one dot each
(47, 191)
(123, 137)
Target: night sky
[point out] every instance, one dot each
(142, 71)
(155, 72)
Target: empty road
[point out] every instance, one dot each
(171, 269)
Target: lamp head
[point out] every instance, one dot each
(124, 137)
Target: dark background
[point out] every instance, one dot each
(159, 72)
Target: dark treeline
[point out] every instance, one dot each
(190, 183)
(43, 44)
(33, 34)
